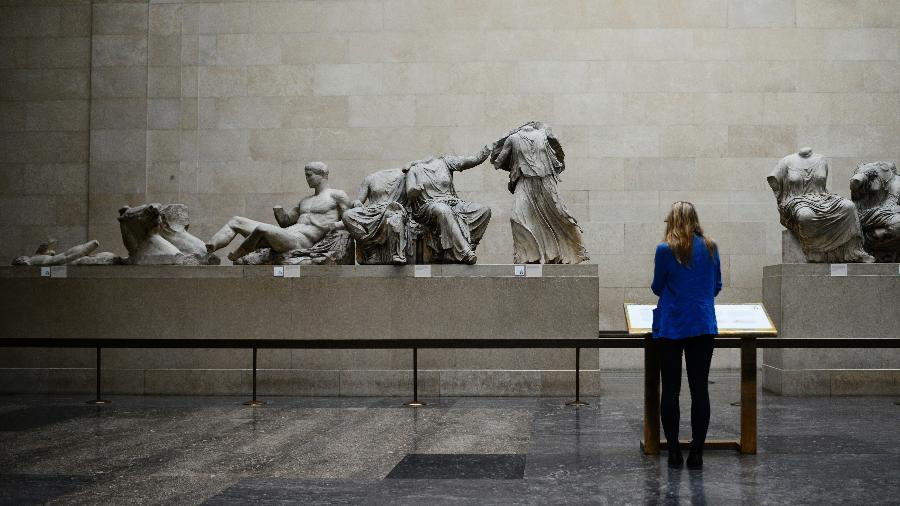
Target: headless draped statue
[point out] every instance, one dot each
(543, 229)
(378, 220)
(826, 224)
(454, 226)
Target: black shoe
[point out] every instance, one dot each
(676, 460)
(695, 461)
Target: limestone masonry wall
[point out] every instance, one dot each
(218, 105)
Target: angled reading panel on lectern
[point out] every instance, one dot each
(731, 318)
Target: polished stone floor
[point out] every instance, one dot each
(189, 450)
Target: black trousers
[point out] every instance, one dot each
(697, 353)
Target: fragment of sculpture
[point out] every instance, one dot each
(310, 232)
(543, 229)
(825, 224)
(378, 220)
(875, 189)
(449, 227)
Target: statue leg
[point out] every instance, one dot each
(453, 241)
(396, 238)
(236, 225)
(76, 252)
(279, 239)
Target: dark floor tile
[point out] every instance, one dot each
(459, 467)
(38, 416)
(23, 489)
(264, 491)
(818, 443)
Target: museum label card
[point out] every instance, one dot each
(534, 271)
(422, 271)
(292, 271)
(838, 269)
(278, 271)
(519, 271)
(58, 271)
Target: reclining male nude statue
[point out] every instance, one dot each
(312, 229)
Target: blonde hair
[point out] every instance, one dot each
(682, 224)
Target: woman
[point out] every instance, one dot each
(686, 277)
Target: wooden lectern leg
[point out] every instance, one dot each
(651, 397)
(748, 395)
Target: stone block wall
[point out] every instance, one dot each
(45, 60)
(218, 104)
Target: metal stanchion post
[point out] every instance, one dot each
(415, 402)
(577, 402)
(98, 398)
(253, 402)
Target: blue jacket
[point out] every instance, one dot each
(686, 305)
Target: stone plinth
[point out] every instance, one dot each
(321, 302)
(805, 301)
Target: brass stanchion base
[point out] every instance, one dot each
(99, 401)
(255, 403)
(414, 404)
(577, 404)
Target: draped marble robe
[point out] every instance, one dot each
(543, 229)
(827, 225)
(380, 224)
(875, 189)
(455, 226)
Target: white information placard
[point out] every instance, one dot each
(58, 271)
(838, 269)
(278, 271)
(292, 271)
(519, 271)
(731, 318)
(534, 271)
(422, 271)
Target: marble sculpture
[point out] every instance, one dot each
(543, 229)
(379, 221)
(452, 227)
(81, 254)
(826, 225)
(309, 233)
(875, 189)
(156, 234)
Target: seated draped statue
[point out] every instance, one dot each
(875, 189)
(46, 255)
(453, 226)
(543, 229)
(378, 220)
(825, 224)
(156, 234)
(311, 232)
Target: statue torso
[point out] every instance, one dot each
(435, 178)
(531, 155)
(804, 175)
(319, 210)
(382, 185)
